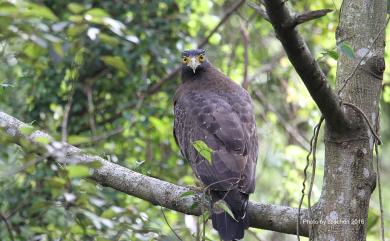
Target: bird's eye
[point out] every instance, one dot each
(184, 59)
(201, 58)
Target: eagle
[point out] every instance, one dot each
(215, 129)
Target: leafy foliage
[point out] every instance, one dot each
(82, 71)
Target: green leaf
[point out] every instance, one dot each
(76, 18)
(194, 205)
(76, 140)
(26, 130)
(57, 47)
(185, 194)
(346, 49)
(38, 229)
(96, 15)
(108, 213)
(203, 150)
(76, 8)
(93, 164)
(42, 139)
(33, 51)
(76, 29)
(76, 229)
(107, 39)
(205, 215)
(8, 9)
(97, 12)
(76, 171)
(56, 182)
(331, 53)
(35, 10)
(159, 124)
(221, 204)
(116, 62)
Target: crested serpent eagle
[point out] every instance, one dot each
(211, 109)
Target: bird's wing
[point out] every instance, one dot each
(210, 118)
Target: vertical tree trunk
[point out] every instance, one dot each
(349, 177)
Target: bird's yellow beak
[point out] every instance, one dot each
(193, 63)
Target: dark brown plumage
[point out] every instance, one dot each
(212, 108)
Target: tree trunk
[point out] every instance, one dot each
(349, 177)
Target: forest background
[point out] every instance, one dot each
(100, 75)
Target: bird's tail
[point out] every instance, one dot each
(227, 227)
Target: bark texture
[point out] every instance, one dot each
(349, 177)
(304, 63)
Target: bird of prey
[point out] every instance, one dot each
(215, 129)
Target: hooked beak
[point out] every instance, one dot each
(193, 64)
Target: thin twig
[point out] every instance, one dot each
(166, 220)
(313, 172)
(91, 109)
(119, 129)
(378, 139)
(225, 17)
(8, 225)
(378, 175)
(245, 42)
(68, 107)
(268, 66)
(260, 10)
(315, 135)
(109, 134)
(231, 56)
(204, 227)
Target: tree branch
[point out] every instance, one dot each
(260, 10)
(158, 192)
(8, 226)
(311, 15)
(305, 65)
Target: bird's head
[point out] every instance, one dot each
(194, 59)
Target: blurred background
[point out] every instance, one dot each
(101, 75)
